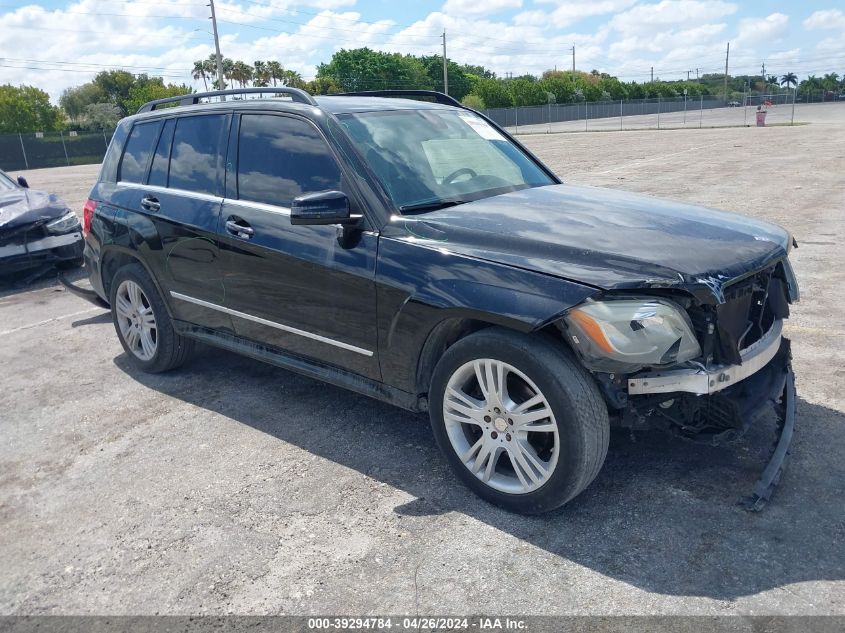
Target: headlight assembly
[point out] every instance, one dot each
(68, 222)
(628, 334)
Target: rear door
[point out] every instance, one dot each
(182, 200)
(294, 287)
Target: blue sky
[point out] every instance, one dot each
(55, 44)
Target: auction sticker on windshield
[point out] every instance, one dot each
(481, 127)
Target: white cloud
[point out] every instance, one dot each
(766, 30)
(479, 7)
(571, 11)
(648, 19)
(827, 19)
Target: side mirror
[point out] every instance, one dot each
(22, 182)
(326, 207)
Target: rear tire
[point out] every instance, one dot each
(533, 441)
(143, 324)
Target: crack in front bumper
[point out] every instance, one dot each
(705, 381)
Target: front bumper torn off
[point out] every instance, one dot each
(768, 371)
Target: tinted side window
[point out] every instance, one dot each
(280, 158)
(196, 160)
(136, 157)
(161, 159)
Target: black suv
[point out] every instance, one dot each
(411, 250)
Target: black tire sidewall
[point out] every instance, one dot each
(550, 366)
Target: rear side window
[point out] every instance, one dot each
(280, 158)
(161, 159)
(196, 160)
(139, 147)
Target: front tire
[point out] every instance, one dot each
(143, 324)
(518, 419)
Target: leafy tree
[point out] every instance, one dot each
(151, 90)
(493, 93)
(459, 83)
(473, 101)
(115, 86)
(526, 93)
(74, 100)
(101, 116)
(366, 69)
(27, 109)
(323, 86)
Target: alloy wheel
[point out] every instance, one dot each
(501, 426)
(136, 320)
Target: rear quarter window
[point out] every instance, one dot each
(139, 148)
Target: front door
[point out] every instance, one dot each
(294, 287)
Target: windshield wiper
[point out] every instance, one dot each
(431, 205)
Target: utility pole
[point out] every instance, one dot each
(573, 63)
(445, 66)
(727, 55)
(688, 72)
(763, 76)
(696, 76)
(652, 74)
(220, 82)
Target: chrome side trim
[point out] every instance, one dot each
(704, 382)
(176, 192)
(278, 326)
(261, 206)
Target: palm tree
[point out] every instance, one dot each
(261, 74)
(830, 81)
(242, 73)
(228, 69)
(789, 79)
(276, 70)
(292, 79)
(199, 72)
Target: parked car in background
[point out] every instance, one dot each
(417, 253)
(734, 104)
(36, 228)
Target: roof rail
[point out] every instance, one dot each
(438, 97)
(192, 99)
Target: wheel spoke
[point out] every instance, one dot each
(480, 376)
(527, 461)
(132, 338)
(148, 320)
(523, 420)
(450, 416)
(134, 296)
(531, 402)
(472, 451)
(123, 307)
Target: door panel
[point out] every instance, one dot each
(295, 287)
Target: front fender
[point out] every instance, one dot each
(421, 286)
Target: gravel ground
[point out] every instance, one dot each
(231, 486)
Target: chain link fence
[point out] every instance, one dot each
(656, 113)
(52, 149)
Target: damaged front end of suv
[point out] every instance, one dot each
(703, 360)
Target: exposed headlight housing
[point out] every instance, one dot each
(626, 335)
(68, 222)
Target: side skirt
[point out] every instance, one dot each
(319, 371)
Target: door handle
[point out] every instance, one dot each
(239, 228)
(150, 204)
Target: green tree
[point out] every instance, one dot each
(493, 93)
(292, 79)
(366, 69)
(323, 86)
(473, 101)
(27, 109)
(101, 116)
(459, 84)
(199, 72)
(152, 90)
(525, 92)
(789, 79)
(241, 73)
(115, 86)
(260, 74)
(276, 71)
(74, 100)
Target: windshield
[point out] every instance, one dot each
(427, 159)
(6, 182)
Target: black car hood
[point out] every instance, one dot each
(605, 238)
(19, 207)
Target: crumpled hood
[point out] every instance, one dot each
(19, 207)
(602, 237)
